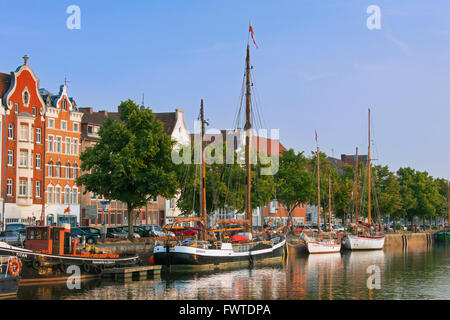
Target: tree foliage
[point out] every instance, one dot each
(132, 161)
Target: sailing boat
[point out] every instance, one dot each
(207, 254)
(368, 240)
(320, 244)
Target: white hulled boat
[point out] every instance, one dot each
(368, 240)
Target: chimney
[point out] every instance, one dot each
(104, 112)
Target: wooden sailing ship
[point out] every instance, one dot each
(368, 239)
(216, 254)
(321, 244)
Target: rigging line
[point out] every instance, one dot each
(239, 105)
(258, 100)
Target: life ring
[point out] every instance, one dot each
(15, 266)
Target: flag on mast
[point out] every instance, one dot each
(316, 136)
(252, 34)
(67, 210)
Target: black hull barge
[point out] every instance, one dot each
(203, 255)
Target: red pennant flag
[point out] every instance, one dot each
(252, 33)
(67, 210)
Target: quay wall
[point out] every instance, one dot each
(409, 241)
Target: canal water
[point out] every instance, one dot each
(420, 274)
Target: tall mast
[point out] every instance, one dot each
(318, 188)
(329, 201)
(203, 173)
(369, 167)
(356, 190)
(248, 129)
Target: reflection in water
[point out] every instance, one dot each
(420, 274)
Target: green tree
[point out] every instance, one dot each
(294, 181)
(132, 161)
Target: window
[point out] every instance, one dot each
(16, 108)
(75, 171)
(38, 161)
(51, 123)
(26, 98)
(11, 131)
(67, 175)
(76, 127)
(34, 111)
(58, 170)
(58, 145)
(273, 206)
(172, 204)
(23, 158)
(67, 146)
(67, 195)
(58, 195)
(38, 189)
(90, 129)
(50, 169)
(49, 194)
(63, 125)
(10, 158)
(38, 135)
(22, 187)
(24, 133)
(75, 146)
(64, 104)
(50, 144)
(9, 187)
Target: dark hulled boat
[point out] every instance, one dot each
(10, 268)
(50, 252)
(215, 254)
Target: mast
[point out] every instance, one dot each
(369, 167)
(203, 174)
(329, 201)
(248, 129)
(356, 191)
(318, 188)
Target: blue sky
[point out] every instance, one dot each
(318, 66)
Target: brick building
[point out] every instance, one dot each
(23, 145)
(62, 158)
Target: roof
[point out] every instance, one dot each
(261, 143)
(5, 82)
(169, 119)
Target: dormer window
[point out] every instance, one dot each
(64, 104)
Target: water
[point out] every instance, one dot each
(421, 274)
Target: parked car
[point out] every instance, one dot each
(13, 238)
(91, 234)
(185, 231)
(125, 229)
(158, 231)
(15, 226)
(338, 228)
(113, 232)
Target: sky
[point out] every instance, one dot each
(318, 66)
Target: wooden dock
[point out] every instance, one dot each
(128, 273)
